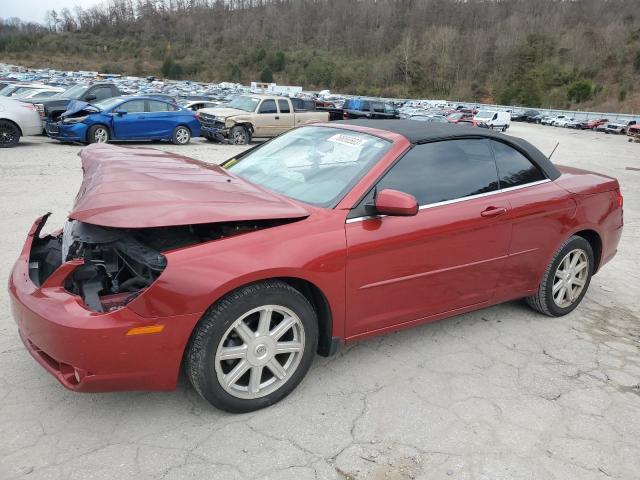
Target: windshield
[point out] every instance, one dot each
(248, 104)
(107, 103)
(484, 115)
(74, 92)
(315, 165)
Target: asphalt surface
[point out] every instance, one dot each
(501, 393)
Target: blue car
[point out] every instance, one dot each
(124, 118)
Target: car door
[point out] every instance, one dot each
(540, 213)
(266, 119)
(377, 110)
(444, 259)
(286, 118)
(129, 120)
(160, 119)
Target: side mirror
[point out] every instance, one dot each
(120, 112)
(394, 203)
(88, 98)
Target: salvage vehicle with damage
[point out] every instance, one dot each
(330, 233)
(125, 118)
(52, 107)
(249, 116)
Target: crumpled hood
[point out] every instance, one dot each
(224, 111)
(75, 106)
(128, 187)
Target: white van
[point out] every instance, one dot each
(494, 120)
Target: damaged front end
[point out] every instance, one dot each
(112, 266)
(69, 125)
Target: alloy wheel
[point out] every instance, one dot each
(182, 136)
(101, 135)
(8, 133)
(260, 352)
(570, 278)
(239, 137)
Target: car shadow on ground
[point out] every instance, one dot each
(376, 351)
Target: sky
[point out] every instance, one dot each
(33, 10)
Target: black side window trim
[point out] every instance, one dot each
(523, 153)
(358, 208)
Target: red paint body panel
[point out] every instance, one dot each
(142, 187)
(62, 334)
(403, 268)
(377, 274)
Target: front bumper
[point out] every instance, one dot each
(87, 351)
(213, 129)
(72, 132)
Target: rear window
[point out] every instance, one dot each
(514, 168)
(357, 104)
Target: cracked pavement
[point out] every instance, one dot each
(501, 393)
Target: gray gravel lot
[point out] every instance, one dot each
(502, 393)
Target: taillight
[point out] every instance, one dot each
(345, 116)
(619, 198)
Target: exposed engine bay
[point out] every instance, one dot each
(120, 263)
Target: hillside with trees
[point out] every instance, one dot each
(552, 53)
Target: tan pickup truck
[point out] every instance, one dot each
(248, 116)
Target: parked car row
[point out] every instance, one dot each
(565, 121)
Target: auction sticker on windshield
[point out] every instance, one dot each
(347, 140)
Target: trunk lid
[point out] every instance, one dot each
(585, 182)
(128, 187)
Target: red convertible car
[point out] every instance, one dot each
(330, 233)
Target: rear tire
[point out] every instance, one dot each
(9, 134)
(239, 135)
(181, 135)
(98, 134)
(566, 279)
(233, 358)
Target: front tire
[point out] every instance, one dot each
(239, 135)
(9, 134)
(98, 134)
(181, 135)
(253, 347)
(566, 279)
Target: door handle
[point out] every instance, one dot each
(277, 118)
(493, 212)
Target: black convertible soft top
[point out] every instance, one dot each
(422, 132)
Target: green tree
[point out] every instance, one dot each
(580, 91)
(266, 75)
(236, 74)
(171, 69)
(277, 62)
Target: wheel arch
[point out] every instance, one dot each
(243, 123)
(13, 122)
(99, 124)
(595, 241)
(327, 344)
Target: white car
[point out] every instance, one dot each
(196, 105)
(38, 93)
(558, 118)
(562, 122)
(17, 119)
